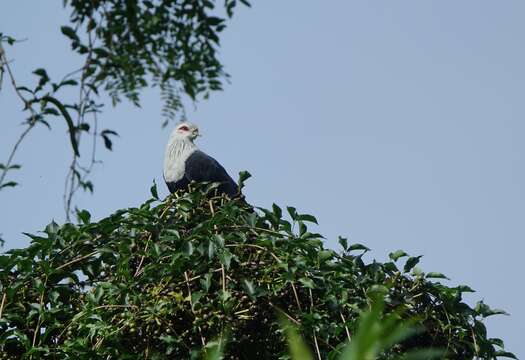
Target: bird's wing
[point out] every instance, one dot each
(202, 167)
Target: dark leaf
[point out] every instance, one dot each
(68, 119)
(8, 184)
(84, 216)
(344, 243)
(501, 353)
(153, 190)
(308, 218)
(411, 262)
(69, 32)
(397, 254)
(436, 275)
(107, 142)
(354, 247)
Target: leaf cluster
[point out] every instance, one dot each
(172, 43)
(199, 274)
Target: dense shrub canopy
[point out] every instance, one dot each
(164, 279)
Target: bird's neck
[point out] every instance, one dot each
(177, 151)
(181, 147)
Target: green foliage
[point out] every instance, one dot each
(375, 334)
(201, 276)
(171, 44)
(125, 47)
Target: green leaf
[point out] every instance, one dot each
(411, 262)
(277, 211)
(153, 190)
(308, 218)
(297, 347)
(501, 353)
(225, 258)
(307, 282)
(219, 240)
(206, 282)
(436, 275)
(344, 243)
(326, 255)
(44, 78)
(484, 310)
(69, 121)
(196, 297)
(496, 341)
(188, 248)
(214, 21)
(8, 184)
(397, 254)
(214, 349)
(70, 82)
(107, 141)
(211, 249)
(40, 72)
(354, 247)
(84, 216)
(293, 212)
(464, 288)
(82, 126)
(243, 176)
(69, 32)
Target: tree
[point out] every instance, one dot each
(181, 277)
(126, 46)
(197, 274)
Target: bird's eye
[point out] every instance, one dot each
(184, 128)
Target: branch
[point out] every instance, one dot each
(4, 64)
(71, 186)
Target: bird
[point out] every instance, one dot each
(184, 163)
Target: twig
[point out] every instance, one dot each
(77, 260)
(296, 297)
(346, 327)
(317, 347)
(2, 304)
(315, 336)
(476, 347)
(114, 306)
(256, 247)
(168, 206)
(285, 313)
(194, 278)
(137, 272)
(203, 340)
(4, 62)
(71, 186)
(223, 272)
(41, 308)
(276, 233)
(27, 105)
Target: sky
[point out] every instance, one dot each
(398, 124)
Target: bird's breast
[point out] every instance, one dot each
(175, 161)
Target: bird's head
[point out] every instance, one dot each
(185, 131)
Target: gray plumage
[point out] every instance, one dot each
(184, 163)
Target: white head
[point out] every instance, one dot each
(185, 131)
(180, 147)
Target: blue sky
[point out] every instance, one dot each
(398, 124)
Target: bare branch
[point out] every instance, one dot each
(4, 65)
